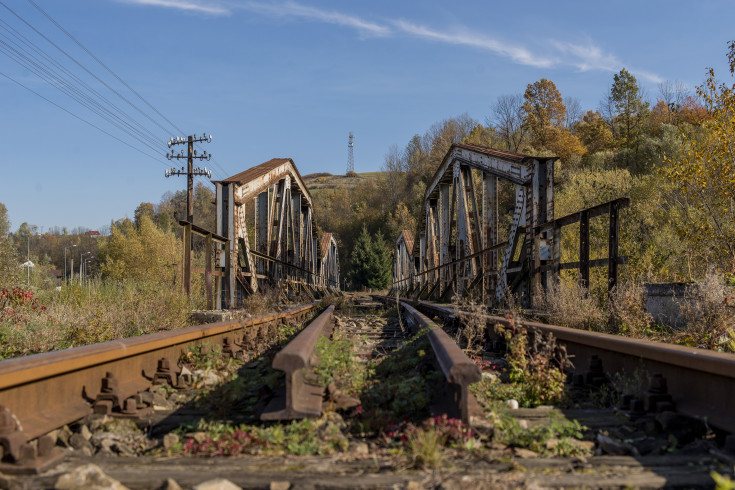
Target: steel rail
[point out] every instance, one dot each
(701, 383)
(458, 369)
(302, 399)
(42, 392)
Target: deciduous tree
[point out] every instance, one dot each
(594, 132)
(545, 116)
(706, 173)
(507, 117)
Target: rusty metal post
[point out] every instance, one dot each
(208, 271)
(612, 254)
(556, 251)
(445, 220)
(489, 229)
(584, 249)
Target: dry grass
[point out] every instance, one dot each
(472, 324)
(267, 299)
(627, 310)
(106, 310)
(568, 304)
(709, 317)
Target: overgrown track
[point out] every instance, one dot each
(694, 382)
(42, 392)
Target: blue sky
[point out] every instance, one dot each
(293, 78)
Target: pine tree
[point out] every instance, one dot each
(371, 262)
(382, 272)
(361, 258)
(630, 111)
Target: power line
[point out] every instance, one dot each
(109, 70)
(106, 68)
(78, 117)
(69, 92)
(74, 93)
(68, 83)
(37, 49)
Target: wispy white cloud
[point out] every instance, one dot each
(293, 9)
(518, 54)
(585, 56)
(190, 5)
(588, 57)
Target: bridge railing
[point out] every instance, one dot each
(426, 284)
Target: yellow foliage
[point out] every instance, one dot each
(141, 252)
(705, 174)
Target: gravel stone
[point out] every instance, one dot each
(171, 484)
(217, 484)
(170, 440)
(78, 442)
(85, 432)
(88, 477)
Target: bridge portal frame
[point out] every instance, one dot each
(284, 249)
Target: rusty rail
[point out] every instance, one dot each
(696, 382)
(302, 399)
(42, 392)
(458, 369)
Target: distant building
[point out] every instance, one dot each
(93, 233)
(58, 275)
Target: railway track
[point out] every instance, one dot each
(694, 382)
(374, 340)
(43, 392)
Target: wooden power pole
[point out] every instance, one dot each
(190, 172)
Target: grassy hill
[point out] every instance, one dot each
(325, 180)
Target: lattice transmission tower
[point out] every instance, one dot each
(351, 153)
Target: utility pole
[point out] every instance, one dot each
(191, 155)
(190, 172)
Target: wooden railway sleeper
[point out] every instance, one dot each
(18, 455)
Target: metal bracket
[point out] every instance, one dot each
(20, 457)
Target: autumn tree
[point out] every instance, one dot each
(705, 173)
(143, 252)
(9, 270)
(144, 209)
(594, 132)
(544, 114)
